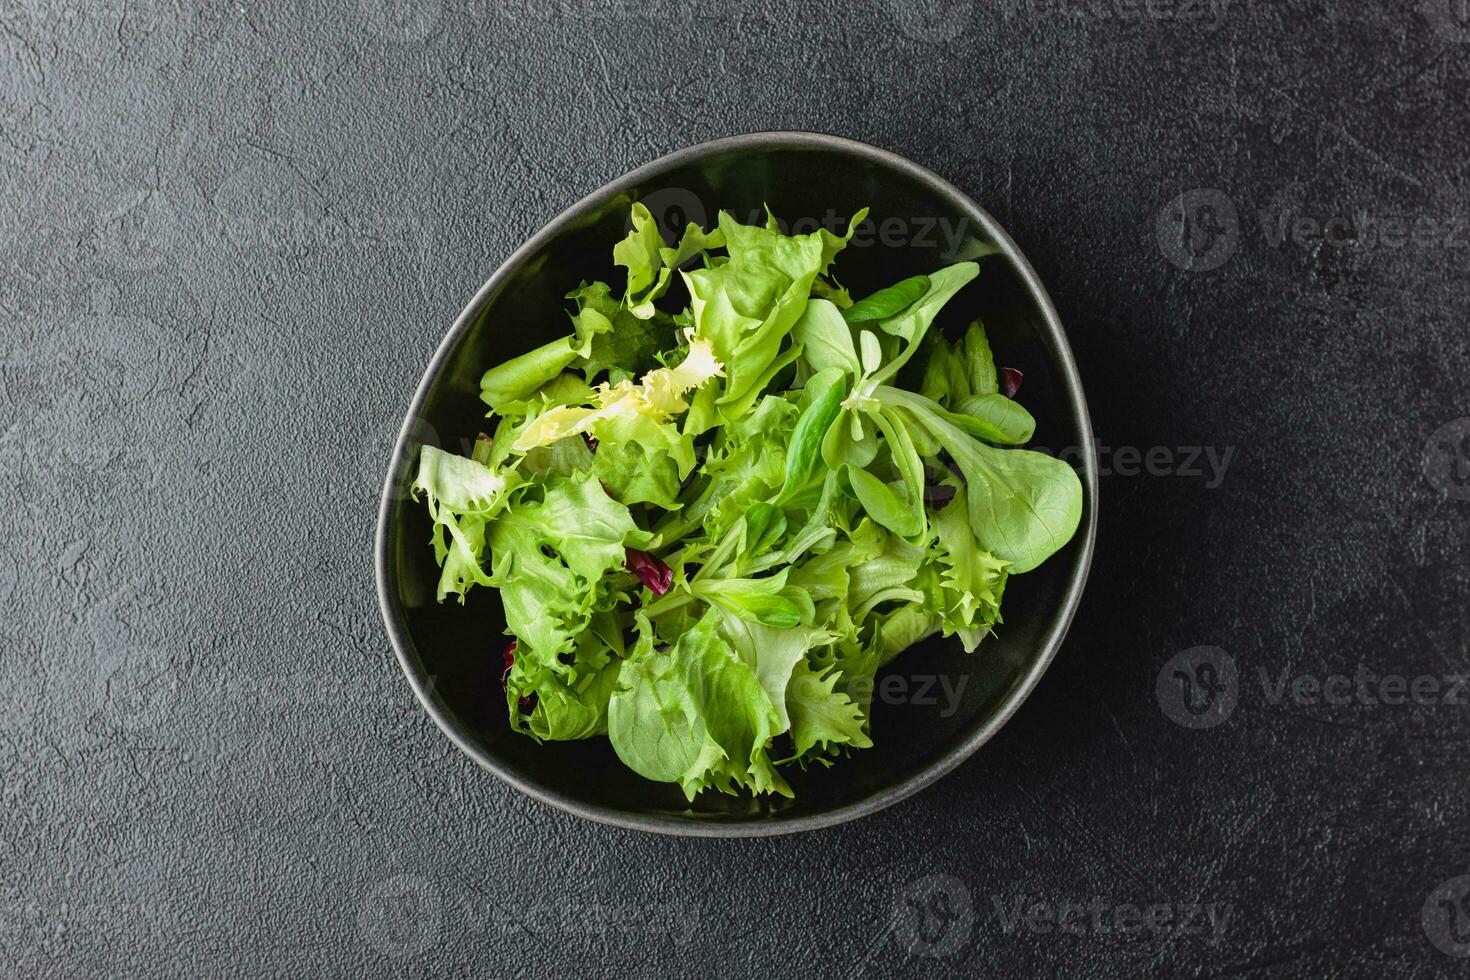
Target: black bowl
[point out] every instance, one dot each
(451, 653)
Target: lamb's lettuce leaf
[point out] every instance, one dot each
(889, 301)
(1022, 505)
(826, 339)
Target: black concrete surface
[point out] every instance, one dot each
(234, 233)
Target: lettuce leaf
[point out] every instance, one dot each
(549, 558)
(463, 495)
(972, 580)
(519, 378)
(626, 412)
(611, 337)
(747, 306)
(1022, 505)
(823, 717)
(695, 714)
(565, 705)
(633, 473)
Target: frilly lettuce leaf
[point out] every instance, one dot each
(612, 337)
(634, 473)
(462, 495)
(549, 557)
(823, 717)
(972, 580)
(632, 413)
(650, 265)
(639, 254)
(773, 653)
(565, 705)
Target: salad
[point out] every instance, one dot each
(731, 494)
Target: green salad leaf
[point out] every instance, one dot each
(887, 302)
(695, 714)
(729, 495)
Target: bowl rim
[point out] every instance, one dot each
(954, 754)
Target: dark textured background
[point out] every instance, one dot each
(233, 235)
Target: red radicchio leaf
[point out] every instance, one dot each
(650, 571)
(1010, 381)
(939, 496)
(509, 656)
